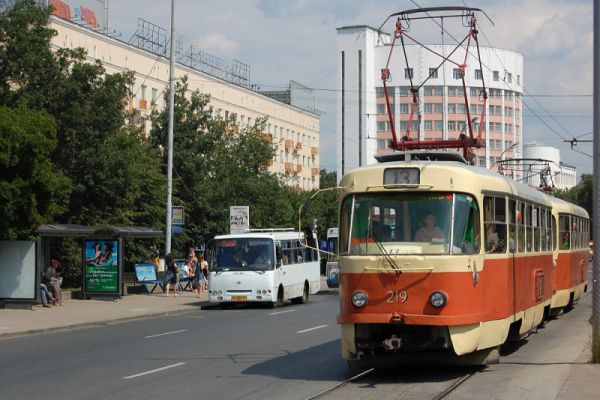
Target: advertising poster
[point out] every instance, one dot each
(239, 219)
(101, 266)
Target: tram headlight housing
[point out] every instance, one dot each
(438, 299)
(359, 299)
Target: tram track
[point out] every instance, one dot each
(442, 395)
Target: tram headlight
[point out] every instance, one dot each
(359, 298)
(438, 299)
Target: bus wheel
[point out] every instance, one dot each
(304, 298)
(279, 301)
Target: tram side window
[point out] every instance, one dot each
(520, 227)
(512, 226)
(494, 218)
(535, 218)
(467, 237)
(564, 232)
(554, 241)
(544, 229)
(529, 227)
(577, 232)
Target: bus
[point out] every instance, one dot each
(332, 270)
(262, 265)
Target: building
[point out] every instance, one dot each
(363, 128)
(294, 129)
(563, 176)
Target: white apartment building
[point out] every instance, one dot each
(563, 176)
(363, 128)
(294, 131)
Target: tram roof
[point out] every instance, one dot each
(452, 176)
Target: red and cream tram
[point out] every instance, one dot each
(440, 260)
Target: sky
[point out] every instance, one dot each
(283, 40)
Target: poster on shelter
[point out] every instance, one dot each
(101, 266)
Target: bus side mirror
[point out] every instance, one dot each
(279, 255)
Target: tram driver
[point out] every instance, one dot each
(429, 230)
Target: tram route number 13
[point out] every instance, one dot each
(394, 296)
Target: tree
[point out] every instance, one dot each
(31, 193)
(217, 164)
(581, 194)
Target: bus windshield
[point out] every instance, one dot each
(244, 254)
(409, 223)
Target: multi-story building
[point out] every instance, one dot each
(363, 125)
(562, 176)
(294, 129)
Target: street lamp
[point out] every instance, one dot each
(170, 133)
(509, 148)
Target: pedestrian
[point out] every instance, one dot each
(46, 296)
(172, 276)
(202, 275)
(52, 281)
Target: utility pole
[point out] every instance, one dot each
(596, 194)
(170, 134)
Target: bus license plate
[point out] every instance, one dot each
(238, 298)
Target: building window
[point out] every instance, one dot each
(428, 108)
(379, 92)
(439, 125)
(428, 90)
(428, 125)
(381, 144)
(460, 108)
(451, 108)
(403, 91)
(437, 108)
(475, 92)
(518, 79)
(154, 95)
(438, 91)
(380, 108)
(143, 94)
(496, 76)
(382, 126)
(478, 74)
(451, 125)
(403, 108)
(451, 91)
(509, 77)
(433, 73)
(408, 73)
(456, 73)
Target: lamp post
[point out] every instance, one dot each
(515, 144)
(170, 133)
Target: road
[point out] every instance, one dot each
(243, 353)
(261, 353)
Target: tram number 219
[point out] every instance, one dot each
(394, 296)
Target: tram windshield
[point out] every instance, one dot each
(409, 223)
(244, 254)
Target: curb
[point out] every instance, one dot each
(92, 323)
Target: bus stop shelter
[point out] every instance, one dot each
(101, 276)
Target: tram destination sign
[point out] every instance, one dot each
(401, 176)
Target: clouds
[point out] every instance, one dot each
(296, 39)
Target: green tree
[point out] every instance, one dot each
(581, 194)
(216, 165)
(31, 193)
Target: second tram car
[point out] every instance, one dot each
(440, 260)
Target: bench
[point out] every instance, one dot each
(184, 283)
(145, 274)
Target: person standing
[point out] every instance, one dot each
(202, 275)
(51, 279)
(172, 276)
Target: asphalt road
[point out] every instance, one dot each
(243, 353)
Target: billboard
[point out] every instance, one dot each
(239, 219)
(17, 270)
(101, 271)
(92, 13)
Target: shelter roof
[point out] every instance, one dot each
(73, 230)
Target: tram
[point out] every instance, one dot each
(440, 260)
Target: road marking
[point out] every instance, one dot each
(281, 312)
(164, 334)
(312, 329)
(154, 370)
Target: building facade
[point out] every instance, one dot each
(294, 131)
(363, 127)
(563, 176)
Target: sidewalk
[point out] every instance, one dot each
(78, 313)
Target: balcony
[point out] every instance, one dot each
(289, 145)
(298, 168)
